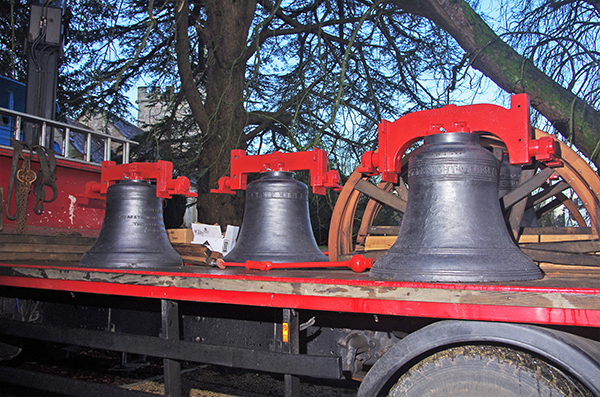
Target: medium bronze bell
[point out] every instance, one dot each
(133, 233)
(453, 229)
(276, 225)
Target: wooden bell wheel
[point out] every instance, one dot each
(574, 186)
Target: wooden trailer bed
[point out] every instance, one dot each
(566, 296)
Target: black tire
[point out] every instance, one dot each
(485, 371)
(8, 352)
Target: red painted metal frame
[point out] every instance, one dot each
(315, 161)
(512, 126)
(445, 310)
(161, 172)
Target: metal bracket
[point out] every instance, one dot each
(315, 161)
(512, 126)
(161, 172)
(170, 331)
(291, 345)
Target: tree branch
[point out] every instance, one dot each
(512, 72)
(188, 84)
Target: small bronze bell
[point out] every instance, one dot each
(133, 233)
(453, 229)
(276, 225)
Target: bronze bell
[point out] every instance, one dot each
(453, 229)
(508, 180)
(276, 225)
(133, 233)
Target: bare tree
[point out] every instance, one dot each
(264, 75)
(13, 25)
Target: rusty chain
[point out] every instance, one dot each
(25, 177)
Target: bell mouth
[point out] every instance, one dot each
(451, 137)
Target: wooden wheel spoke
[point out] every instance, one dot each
(340, 229)
(574, 211)
(518, 207)
(528, 184)
(548, 192)
(371, 210)
(381, 195)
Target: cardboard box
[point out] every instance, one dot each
(180, 236)
(212, 237)
(231, 234)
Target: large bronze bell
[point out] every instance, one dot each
(276, 225)
(453, 229)
(508, 180)
(133, 233)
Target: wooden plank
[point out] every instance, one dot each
(375, 254)
(192, 249)
(41, 256)
(193, 260)
(529, 236)
(566, 246)
(45, 239)
(196, 254)
(384, 230)
(366, 289)
(565, 275)
(553, 238)
(373, 243)
(381, 195)
(562, 258)
(48, 248)
(556, 230)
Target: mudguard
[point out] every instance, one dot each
(574, 354)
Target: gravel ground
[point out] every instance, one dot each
(212, 382)
(105, 367)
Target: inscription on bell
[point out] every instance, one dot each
(150, 217)
(453, 169)
(281, 194)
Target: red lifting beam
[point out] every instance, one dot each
(161, 172)
(315, 161)
(512, 126)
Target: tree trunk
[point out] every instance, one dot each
(570, 115)
(221, 117)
